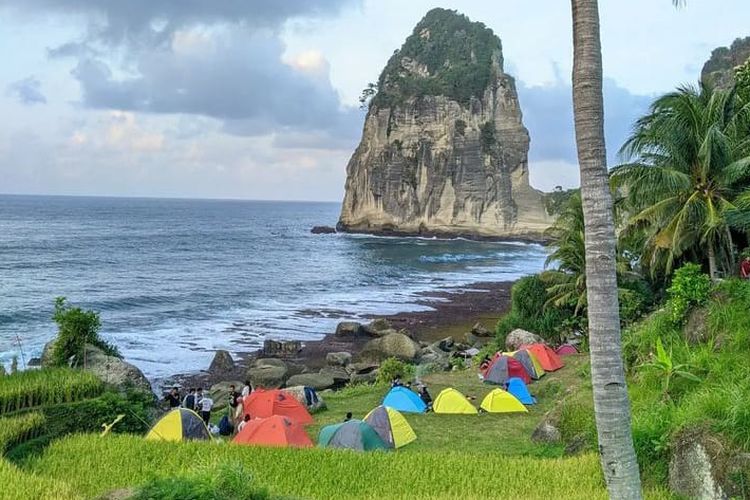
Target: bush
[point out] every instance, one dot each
(226, 482)
(76, 328)
(528, 296)
(690, 287)
(392, 368)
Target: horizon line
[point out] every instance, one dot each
(147, 197)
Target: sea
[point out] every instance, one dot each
(176, 279)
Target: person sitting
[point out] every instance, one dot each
(484, 364)
(397, 381)
(424, 395)
(745, 268)
(348, 416)
(244, 422)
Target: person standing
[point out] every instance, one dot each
(198, 398)
(246, 389)
(206, 404)
(745, 268)
(189, 400)
(173, 398)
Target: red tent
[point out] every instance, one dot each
(502, 368)
(566, 350)
(263, 403)
(546, 356)
(273, 431)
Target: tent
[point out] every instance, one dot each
(529, 362)
(520, 391)
(352, 435)
(404, 399)
(178, 425)
(546, 356)
(263, 403)
(451, 401)
(566, 350)
(500, 401)
(273, 431)
(502, 367)
(391, 426)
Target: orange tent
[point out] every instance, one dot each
(263, 403)
(546, 356)
(273, 431)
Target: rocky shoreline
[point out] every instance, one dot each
(454, 313)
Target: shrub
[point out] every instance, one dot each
(690, 287)
(528, 296)
(226, 482)
(49, 386)
(392, 368)
(76, 328)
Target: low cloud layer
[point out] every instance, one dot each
(27, 91)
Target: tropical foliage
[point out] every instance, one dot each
(689, 165)
(76, 328)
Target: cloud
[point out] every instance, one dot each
(27, 91)
(548, 114)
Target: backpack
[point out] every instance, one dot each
(225, 426)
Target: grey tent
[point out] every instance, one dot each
(524, 358)
(497, 372)
(352, 435)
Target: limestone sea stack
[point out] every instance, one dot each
(444, 151)
(719, 69)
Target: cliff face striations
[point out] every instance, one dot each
(444, 149)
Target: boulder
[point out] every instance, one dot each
(33, 362)
(362, 367)
(576, 445)
(694, 466)
(222, 363)
(475, 341)
(298, 393)
(480, 330)
(364, 378)
(339, 375)
(394, 345)
(268, 373)
(695, 330)
(545, 432)
(338, 358)
(437, 359)
(323, 230)
(114, 371)
(47, 353)
(518, 337)
(220, 393)
(377, 327)
(283, 348)
(318, 381)
(348, 329)
(446, 345)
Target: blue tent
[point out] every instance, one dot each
(404, 400)
(520, 391)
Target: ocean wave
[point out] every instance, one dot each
(449, 257)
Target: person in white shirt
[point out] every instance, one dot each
(246, 389)
(206, 404)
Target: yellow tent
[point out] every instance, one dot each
(178, 425)
(391, 426)
(500, 401)
(451, 401)
(529, 362)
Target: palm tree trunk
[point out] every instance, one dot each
(712, 262)
(611, 403)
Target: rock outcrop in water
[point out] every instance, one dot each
(719, 69)
(444, 149)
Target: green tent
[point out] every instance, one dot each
(352, 435)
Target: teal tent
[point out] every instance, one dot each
(404, 400)
(351, 435)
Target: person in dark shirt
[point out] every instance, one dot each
(173, 398)
(348, 416)
(424, 394)
(189, 401)
(396, 382)
(233, 395)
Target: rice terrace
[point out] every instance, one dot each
(374, 249)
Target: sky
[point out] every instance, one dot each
(257, 99)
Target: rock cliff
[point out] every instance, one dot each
(719, 69)
(444, 149)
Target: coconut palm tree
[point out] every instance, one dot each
(689, 161)
(611, 402)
